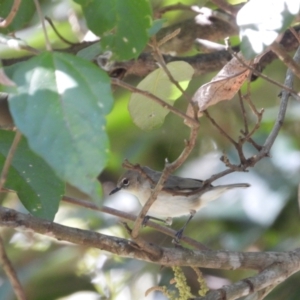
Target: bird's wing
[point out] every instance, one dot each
(176, 183)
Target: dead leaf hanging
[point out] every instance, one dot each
(223, 86)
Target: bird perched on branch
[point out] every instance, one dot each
(179, 196)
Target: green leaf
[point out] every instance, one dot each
(61, 108)
(90, 52)
(149, 115)
(156, 26)
(37, 186)
(122, 24)
(24, 15)
(261, 22)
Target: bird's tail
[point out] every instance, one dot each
(217, 191)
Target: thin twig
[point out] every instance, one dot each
(285, 58)
(158, 56)
(219, 175)
(265, 149)
(238, 146)
(42, 19)
(58, 34)
(259, 114)
(15, 7)
(11, 273)
(168, 37)
(164, 104)
(288, 89)
(220, 129)
(140, 244)
(246, 128)
(9, 158)
(294, 32)
(281, 113)
(264, 281)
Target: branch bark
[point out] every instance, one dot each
(10, 272)
(227, 260)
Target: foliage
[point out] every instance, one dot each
(76, 125)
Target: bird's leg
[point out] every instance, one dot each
(179, 233)
(167, 221)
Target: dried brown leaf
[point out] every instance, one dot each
(223, 86)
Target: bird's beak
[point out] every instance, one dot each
(115, 190)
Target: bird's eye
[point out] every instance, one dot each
(125, 181)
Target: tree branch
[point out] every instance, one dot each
(9, 158)
(265, 149)
(15, 7)
(272, 275)
(227, 260)
(10, 272)
(285, 58)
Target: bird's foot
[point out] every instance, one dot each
(178, 236)
(146, 219)
(168, 221)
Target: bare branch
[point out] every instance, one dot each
(256, 72)
(9, 158)
(265, 149)
(294, 32)
(58, 34)
(227, 260)
(281, 113)
(10, 272)
(246, 128)
(42, 20)
(272, 275)
(220, 129)
(154, 251)
(238, 146)
(285, 58)
(15, 7)
(158, 55)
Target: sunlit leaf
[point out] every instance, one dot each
(61, 108)
(147, 114)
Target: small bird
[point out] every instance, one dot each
(179, 196)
